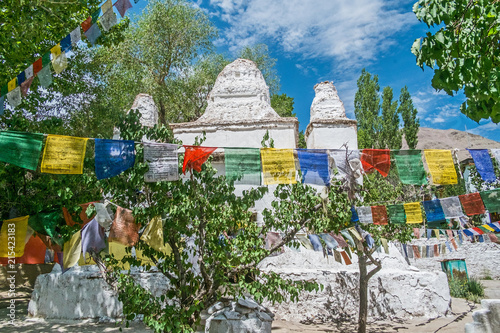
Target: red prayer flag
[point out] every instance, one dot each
(25, 86)
(416, 252)
(478, 230)
(472, 203)
(454, 244)
(346, 257)
(376, 159)
(37, 66)
(87, 24)
(195, 156)
(436, 250)
(34, 253)
(379, 215)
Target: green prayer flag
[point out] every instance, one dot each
(491, 200)
(243, 165)
(5, 90)
(396, 214)
(410, 167)
(96, 15)
(46, 59)
(485, 230)
(21, 149)
(441, 224)
(46, 223)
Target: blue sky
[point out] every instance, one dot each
(333, 40)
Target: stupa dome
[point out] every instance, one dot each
(326, 104)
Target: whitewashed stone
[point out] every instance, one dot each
(326, 103)
(486, 320)
(145, 104)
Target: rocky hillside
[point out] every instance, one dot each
(430, 138)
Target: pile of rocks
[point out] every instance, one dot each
(243, 316)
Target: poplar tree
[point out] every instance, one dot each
(390, 135)
(410, 119)
(366, 109)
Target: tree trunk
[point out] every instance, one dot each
(363, 294)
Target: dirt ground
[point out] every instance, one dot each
(462, 314)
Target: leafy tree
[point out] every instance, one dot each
(410, 119)
(463, 52)
(260, 55)
(390, 134)
(366, 109)
(283, 105)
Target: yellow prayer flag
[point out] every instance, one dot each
(63, 154)
(72, 250)
(13, 236)
(385, 245)
(413, 212)
(85, 262)
(153, 234)
(60, 63)
(436, 231)
(56, 51)
(12, 84)
(485, 226)
(441, 166)
(118, 251)
(278, 166)
(106, 6)
(355, 233)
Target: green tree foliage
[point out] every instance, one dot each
(390, 134)
(283, 105)
(260, 55)
(410, 119)
(366, 109)
(463, 52)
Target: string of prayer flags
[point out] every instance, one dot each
(122, 6)
(365, 214)
(93, 238)
(112, 157)
(314, 166)
(243, 165)
(72, 250)
(21, 149)
(278, 166)
(472, 203)
(16, 228)
(195, 156)
(441, 166)
(63, 154)
(410, 167)
(376, 159)
(433, 210)
(483, 163)
(413, 212)
(491, 200)
(163, 161)
(379, 214)
(124, 230)
(396, 214)
(451, 207)
(45, 76)
(45, 223)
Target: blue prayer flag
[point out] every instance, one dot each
(354, 215)
(314, 166)
(483, 163)
(21, 77)
(468, 232)
(2, 102)
(66, 43)
(494, 227)
(93, 33)
(433, 210)
(112, 157)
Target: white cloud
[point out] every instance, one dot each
(489, 126)
(352, 32)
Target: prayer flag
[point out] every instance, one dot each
(365, 214)
(25, 86)
(87, 24)
(483, 163)
(63, 154)
(454, 243)
(37, 66)
(355, 233)
(304, 241)
(76, 35)
(243, 165)
(46, 223)
(410, 167)
(491, 200)
(12, 84)
(195, 156)
(108, 20)
(278, 166)
(396, 214)
(441, 167)
(93, 33)
(472, 203)
(21, 77)
(93, 238)
(416, 251)
(376, 159)
(95, 15)
(153, 234)
(103, 216)
(433, 210)
(476, 231)
(4, 90)
(346, 258)
(436, 250)
(107, 5)
(348, 237)
(340, 240)
(122, 6)
(34, 252)
(46, 59)
(416, 233)
(379, 214)
(413, 212)
(72, 250)
(451, 207)
(2, 107)
(112, 157)
(124, 230)
(354, 214)
(118, 251)
(340, 160)
(496, 154)
(314, 166)
(494, 227)
(429, 234)
(13, 228)
(21, 149)
(56, 51)
(60, 63)
(45, 76)
(438, 235)
(163, 161)
(14, 97)
(28, 72)
(66, 43)
(486, 228)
